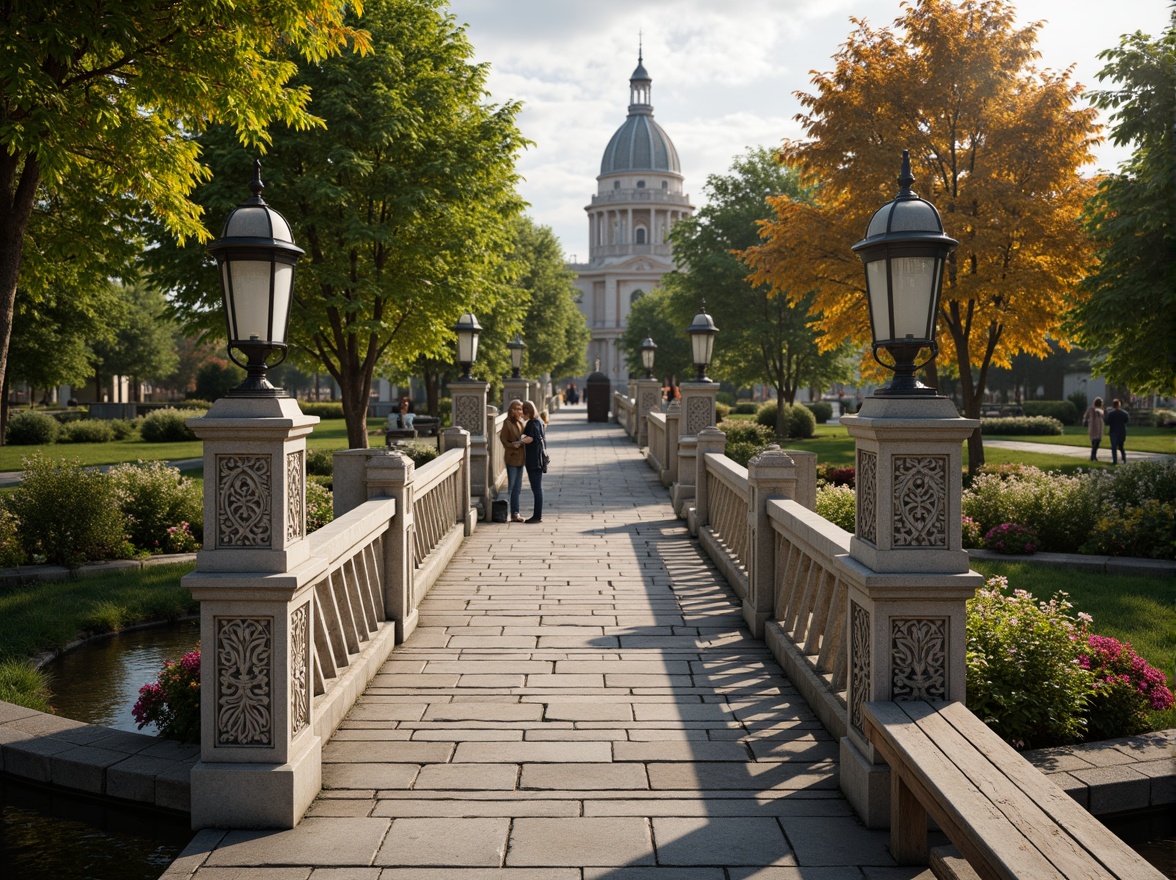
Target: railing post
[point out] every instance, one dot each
(770, 475)
(669, 474)
(390, 475)
(709, 440)
(906, 615)
(260, 761)
(470, 412)
(648, 397)
(698, 412)
(459, 438)
(517, 389)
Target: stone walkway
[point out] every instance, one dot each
(580, 702)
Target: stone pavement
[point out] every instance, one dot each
(580, 702)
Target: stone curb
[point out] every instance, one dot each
(1097, 564)
(34, 574)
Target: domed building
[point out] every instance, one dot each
(638, 200)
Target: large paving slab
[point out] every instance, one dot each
(580, 701)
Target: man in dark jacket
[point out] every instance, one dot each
(1116, 421)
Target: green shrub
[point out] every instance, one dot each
(1022, 678)
(168, 425)
(1147, 531)
(121, 429)
(31, 428)
(801, 422)
(1023, 426)
(822, 411)
(155, 497)
(725, 397)
(1059, 508)
(68, 515)
(973, 537)
(838, 504)
(1078, 398)
(324, 409)
(1062, 410)
(722, 410)
(742, 452)
(420, 453)
(745, 408)
(319, 463)
(1130, 485)
(746, 432)
(86, 431)
(11, 552)
(320, 506)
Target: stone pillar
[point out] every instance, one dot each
(260, 762)
(648, 399)
(770, 475)
(698, 406)
(669, 474)
(469, 412)
(910, 580)
(698, 412)
(709, 440)
(516, 389)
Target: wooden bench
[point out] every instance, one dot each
(1003, 815)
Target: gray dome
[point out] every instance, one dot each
(640, 144)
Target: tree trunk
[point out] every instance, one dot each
(18, 190)
(3, 409)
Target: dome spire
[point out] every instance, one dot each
(640, 83)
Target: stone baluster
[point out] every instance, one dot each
(771, 475)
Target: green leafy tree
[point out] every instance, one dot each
(403, 204)
(554, 329)
(656, 315)
(142, 343)
(1132, 219)
(97, 101)
(765, 336)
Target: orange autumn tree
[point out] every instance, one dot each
(995, 144)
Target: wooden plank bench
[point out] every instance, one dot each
(1005, 817)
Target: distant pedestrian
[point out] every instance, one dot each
(535, 441)
(1117, 420)
(511, 437)
(1094, 419)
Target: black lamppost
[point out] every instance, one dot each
(467, 330)
(517, 347)
(256, 257)
(702, 342)
(648, 349)
(904, 253)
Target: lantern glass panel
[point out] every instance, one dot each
(249, 283)
(879, 286)
(913, 280)
(283, 295)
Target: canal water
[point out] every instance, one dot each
(99, 681)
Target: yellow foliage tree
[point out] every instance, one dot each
(997, 143)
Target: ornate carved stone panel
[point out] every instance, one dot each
(860, 660)
(700, 413)
(867, 496)
(648, 401)
(918, 658)
(244, 681)
(243, 514)
(299, 669)
(295, 496)
(920, 501)
(469, 413)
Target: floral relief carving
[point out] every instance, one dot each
(860, 663)
(700, 414)
(243, 515)
(300, 669)
(244, 681)
(867, 496)
(918, 656)
(648, 402)
(295, 496)
(920, 501)
(469, 413)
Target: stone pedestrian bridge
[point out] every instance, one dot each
(682, 672)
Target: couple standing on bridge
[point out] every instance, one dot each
(525, 440)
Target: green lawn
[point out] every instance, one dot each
(1138, 439)
(329, 434)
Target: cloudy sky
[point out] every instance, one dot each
(723, 74)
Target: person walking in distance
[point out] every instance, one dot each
(1117, 420)
(511, 437)
(535, 440)
(1094, 419)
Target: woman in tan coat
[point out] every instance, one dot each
(511, 437)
